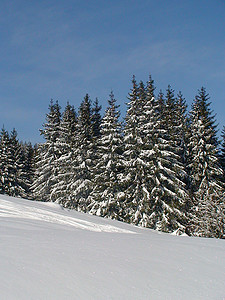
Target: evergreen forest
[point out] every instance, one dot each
(162, 167)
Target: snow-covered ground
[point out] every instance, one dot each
(47, 252)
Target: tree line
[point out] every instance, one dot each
(162, 167)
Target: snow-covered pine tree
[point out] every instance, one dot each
(147, 125)
(207, 211)
(163, 200)
(66, 143)
(161, 106)
(106, 194)
(133, 167)
(176, 122)
(222, 154)
(27, 172)
(182, 129)
(12, 165)
(81, 183)
(96, 118)
(4, 161)
(48, 155)
(16, 169)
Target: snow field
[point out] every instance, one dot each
(50, 253)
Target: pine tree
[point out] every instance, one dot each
(133, 168)
(170, 117)
(176, 122)
(161, 106)
(105, 198)
(66, 143)
(183, 136)
(182, 130)
(27, 172)
(4, 162)
(164, 190)
(12, 165)
(96, 118)
(81, 183)
(16, 167)
(48, 155)
(207, 211)
(222, 154)
(12, 168)
(147, 125)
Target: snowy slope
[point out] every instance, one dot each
(50, 253)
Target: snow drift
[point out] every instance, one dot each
(51, 253)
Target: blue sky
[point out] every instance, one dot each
(65, 49)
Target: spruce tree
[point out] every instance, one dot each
(222, 154)
(133, 167)
(105, 198)
(4, 162)
(80, 185)
(176, 123)
(12, 168)
(16, 167)
(207, 211)
(96, 118)
(48, 155)
(182, 129)
(148, 122)
(170, 116)
(66, 143)
(27, 172)
(164, 190)
(161, 106)
(12, 165)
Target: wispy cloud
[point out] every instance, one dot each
(64, 51)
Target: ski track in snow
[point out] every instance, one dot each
(14, 210)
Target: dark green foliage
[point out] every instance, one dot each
(28, 159)
(206, 188)
(80, 185)
(85, 119)
(105, 197)
(4, 162)
(96, 118)
(167, 186)
(222, 154)
(65, 143)
(161, 170)
(133, 141)
(48, 154)
(16, 166)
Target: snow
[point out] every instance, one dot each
(48, 252)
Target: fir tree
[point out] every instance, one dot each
(81, 183)
(182, 130)
(170, 116)
(164, 191)
(48, 155)
(12, 165)
(133, 168)
(148, 123)
(66, 142)
(105, 198)
(4, 162)
(28, 158)
(207, 190)
(16, 167)
(96, 118)
(222, 154)
(12, 168)
(161, 106)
